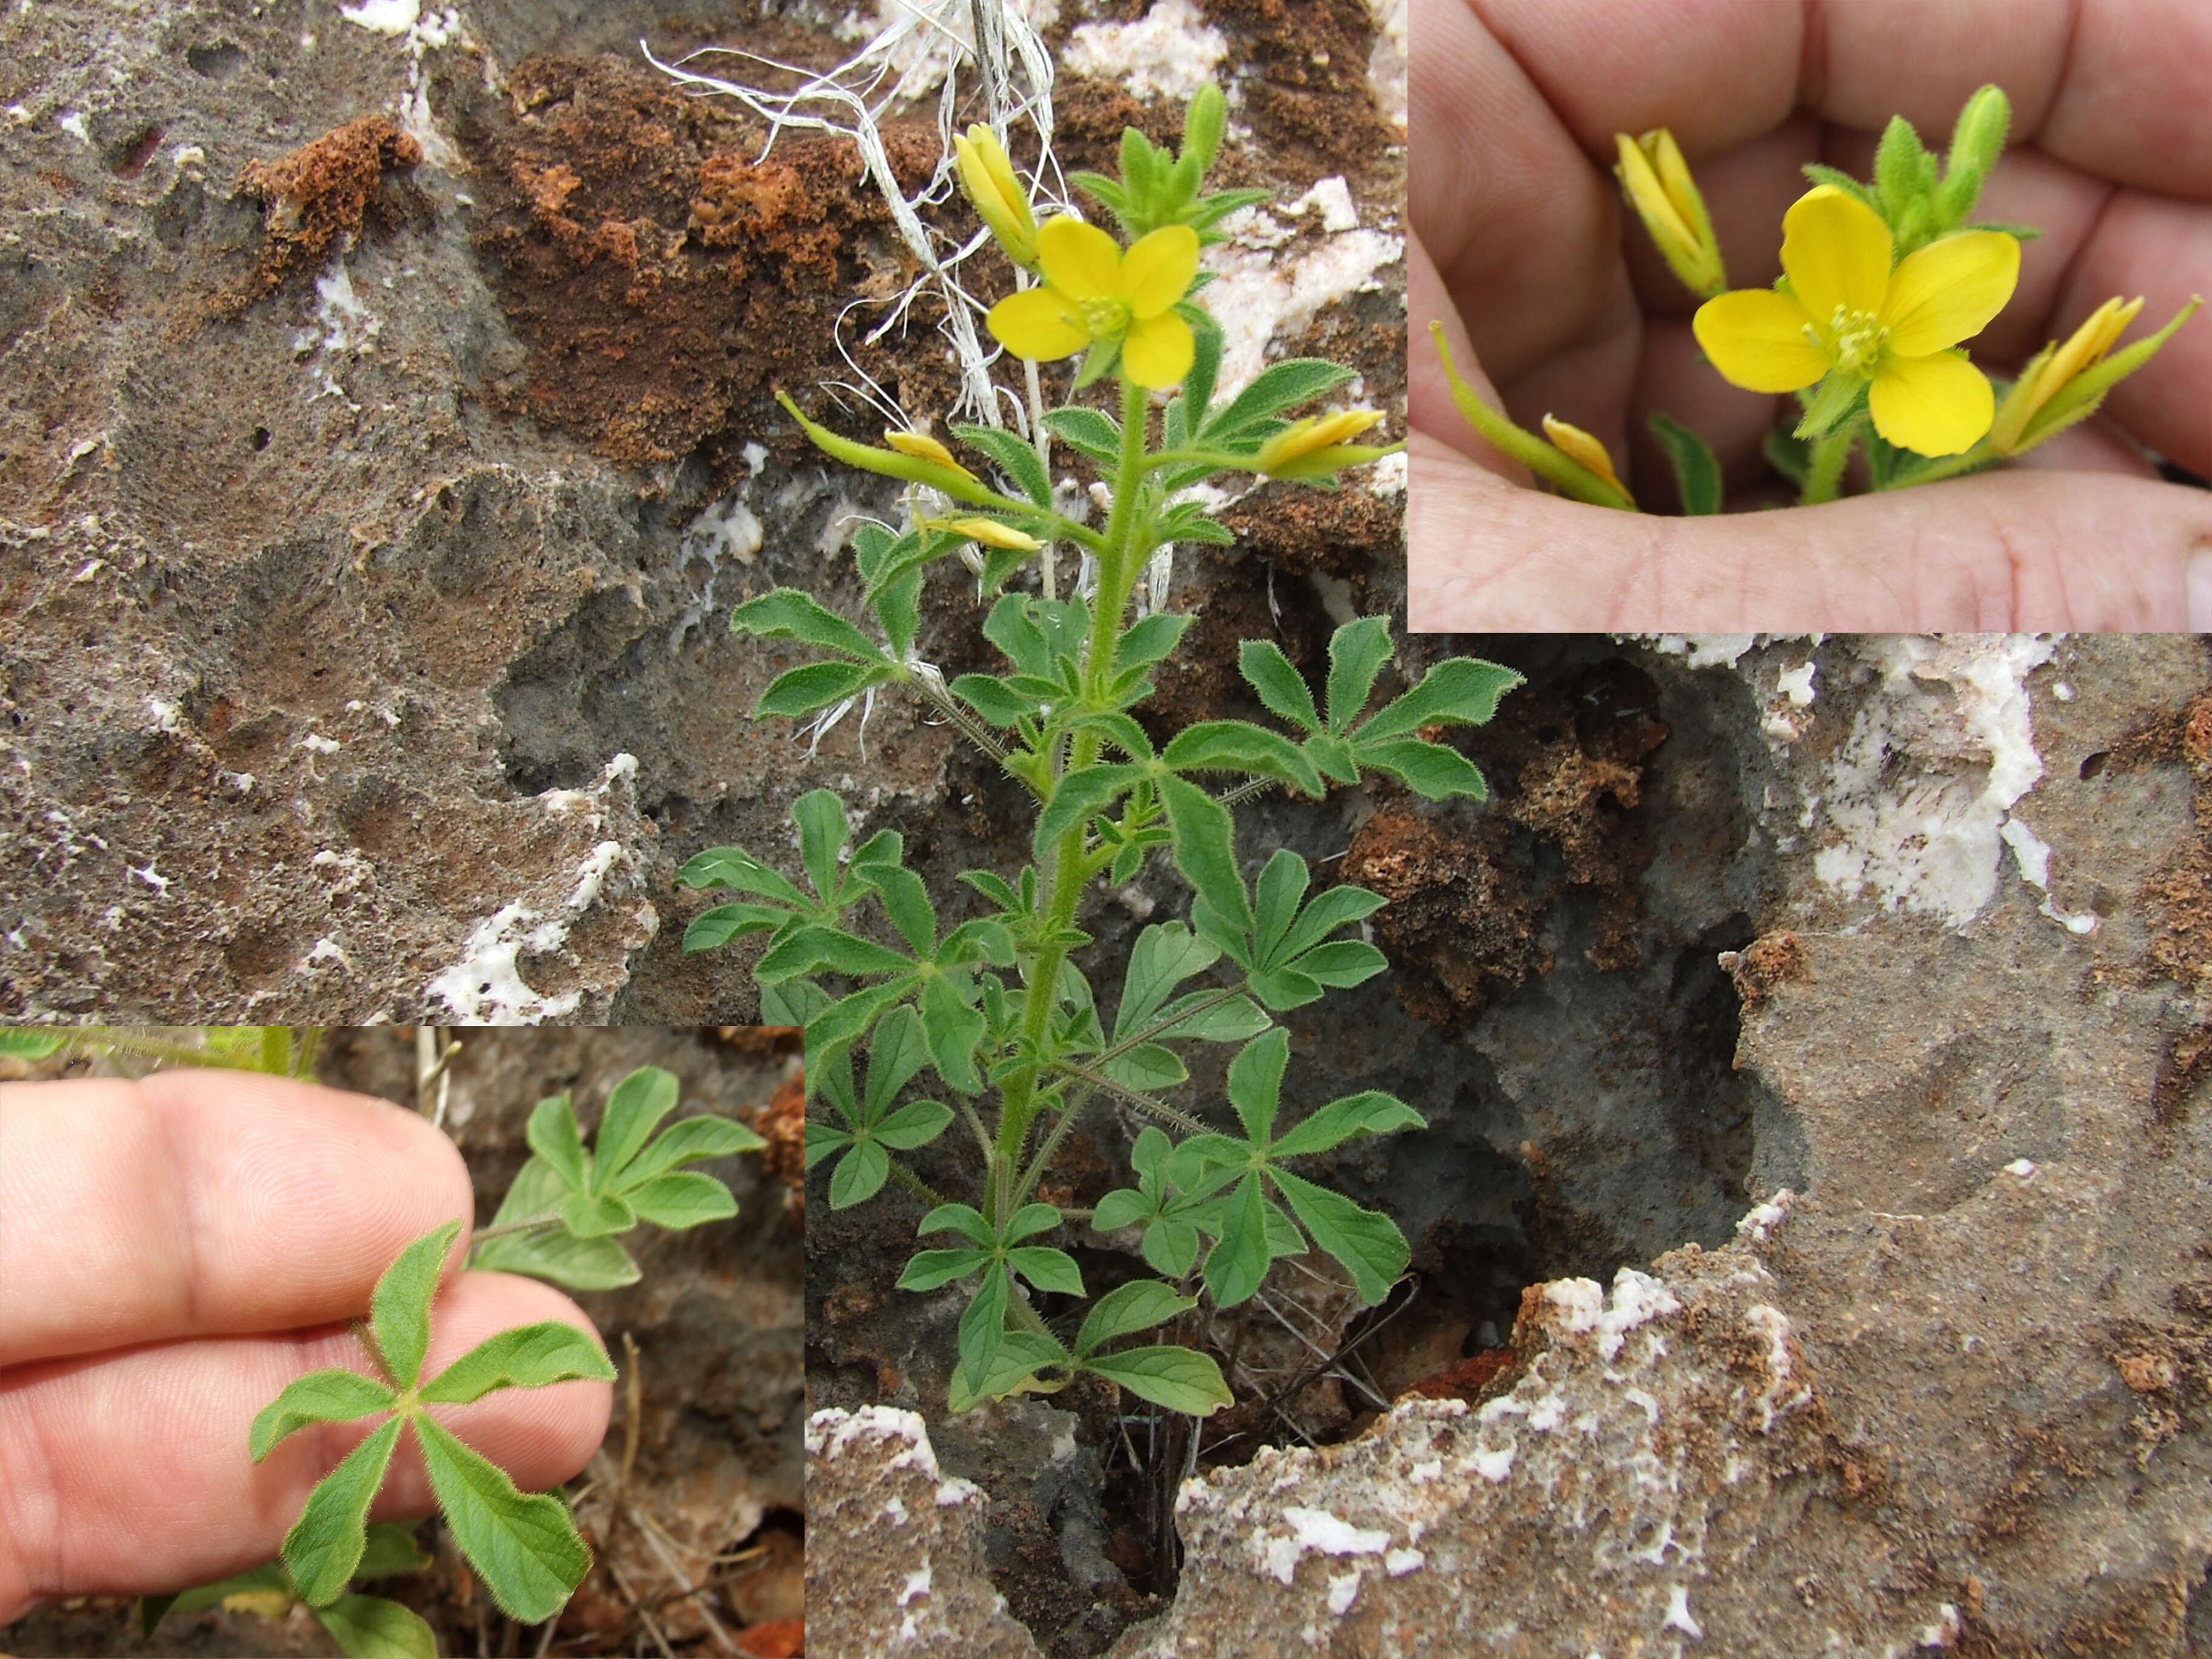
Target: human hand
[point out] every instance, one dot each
(1516, 247)
(174, 1252)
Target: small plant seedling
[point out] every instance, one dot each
(559, 1220)
(522, 1546)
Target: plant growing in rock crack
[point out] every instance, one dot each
(1000, 1008)
(560, 1221)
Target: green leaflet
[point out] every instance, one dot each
(527, 1357)
(522, 1546)
(326, 1396)
(325, 1543)
(371, 1627)
(399, 1311)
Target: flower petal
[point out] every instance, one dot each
(1156, 272)
(1034, 323)
(1940, 404)
(1836, 252)
(1080, 260)
(1949, 290)
(1756, 338)
(1157, 351)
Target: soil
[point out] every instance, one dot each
(710, 1531)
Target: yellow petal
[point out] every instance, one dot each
(2099, 333)
(1156, 272)
(1080, 260)
(1158, 351)
(989, 531)
(1034, 323)
(1756, 338)
(922, 448)
(1582, 447)
(1948, 291)
(1836, 252)
(1940, 404)
(1647, 193)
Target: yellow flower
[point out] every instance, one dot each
(1316, 446)
(1578, 446)
(1095, 293)
(987, 174)
(923, 447)
(1657, 182)
(1846, 313)
(989, 531)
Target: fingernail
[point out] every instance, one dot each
(2198, 583)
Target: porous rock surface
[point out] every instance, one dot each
(894, 1554)
(1944, 1389)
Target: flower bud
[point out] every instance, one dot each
(1579, 447)
(2062, 384)
(923, 447)
(1316, 446)
(989, 531)
(1976, 142)
(1657, 182)
(986, 175)
(1203, 124)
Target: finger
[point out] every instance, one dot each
(1675, 379)
(2033, 552)
(2113, 87)
(200, 1203)
(1429, 404)
(1520, 224)
(2131, 105)
(128, 1474)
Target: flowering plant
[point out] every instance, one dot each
(998, 1012)
(1883, 284)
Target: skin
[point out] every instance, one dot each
(1518, 248)
(173, 1253)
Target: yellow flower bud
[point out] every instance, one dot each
(987, 174)
(1657, 182)
(923, 447)
(989, 531)
(1579, 447)
(2056, 367)
(1303, 451)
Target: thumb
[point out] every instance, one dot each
(2023, 552)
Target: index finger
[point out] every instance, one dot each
(204, 1204)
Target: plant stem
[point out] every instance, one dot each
(529, 1224)
(1950, 467)
(1824, 475)
(1116, 575)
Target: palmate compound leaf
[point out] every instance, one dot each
(522, 1546)
(580, 1264)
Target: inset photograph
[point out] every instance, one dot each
(1851, 318)
(391, 1343)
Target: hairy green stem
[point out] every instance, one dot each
(1117, 574)
(1950, 467)
(1824, 474)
